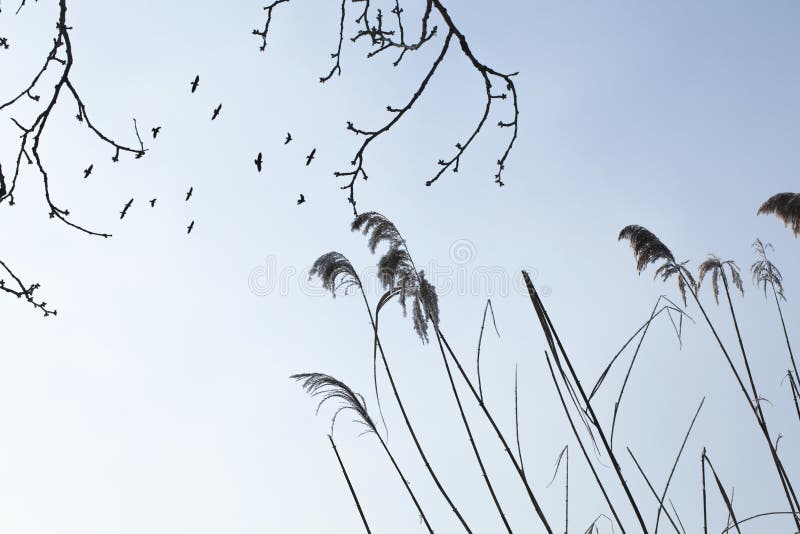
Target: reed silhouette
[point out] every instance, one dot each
(402, 281)
(647, 250)
(786, 207)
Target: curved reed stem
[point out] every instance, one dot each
(374, 320)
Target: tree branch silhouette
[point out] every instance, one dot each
(32, 130)
(386, 33)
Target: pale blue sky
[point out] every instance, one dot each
(159, 401)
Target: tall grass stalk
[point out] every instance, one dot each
(577, 435)
(397, 271)
(552, 339)
(335, 271)
(500, 436)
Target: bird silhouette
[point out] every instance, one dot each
(189, 193)
(87, 171)
(288, 138)
(258, 162)
(310, 157)
(155, 131)
(125, 209)
(216, 112)
(189, 228)
(195, 83)
(301, 199)
(153, 203)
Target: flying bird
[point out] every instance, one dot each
(216, 112)
(310, 157)
(258, 162)
(301, 199)
(156, 131)
(288, 138)
(189, 228)
(87, 171)
(189, 193)
(195, 83)
(153, 203)
(125, 209)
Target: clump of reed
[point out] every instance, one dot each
(402, 281)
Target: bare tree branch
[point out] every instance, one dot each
(60, 57)
(385, 34)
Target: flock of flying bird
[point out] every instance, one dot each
(259, 161)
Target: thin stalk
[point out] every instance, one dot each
(415, 439)
(722, 492)
(652, 489)
(566, 496)
(498, 432)
(677, 516)
(563, 455)
(675, 464)
(705, 507)
(350, 485)
(582, 446)
(785, 332)
(480, 340)
(422, 515)
(646, 324)
(795, 392)
(516, 421)
(469, 433)
(628, 375)
(550, 334)
(756, 397)
(728, 520)
(756, 516)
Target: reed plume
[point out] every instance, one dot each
(327, 388)
(330, 388)
(765, 273)
(648, 249)
(786, 207)
(336, 271)
(399, 276)
(396, 270)
(716, 267)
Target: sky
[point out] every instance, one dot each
(159, 398)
